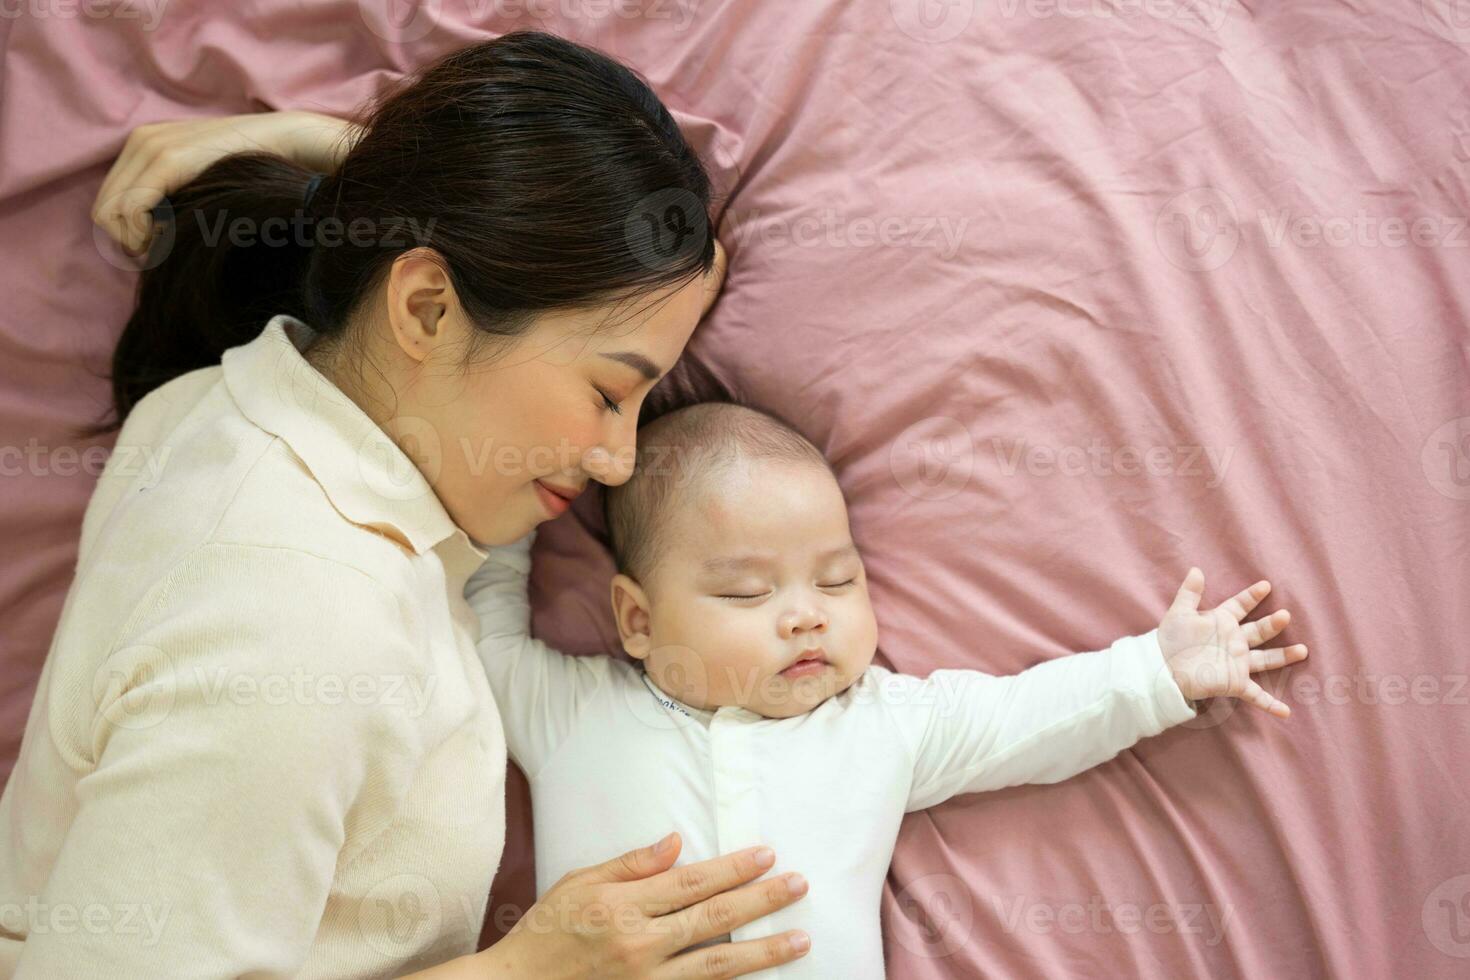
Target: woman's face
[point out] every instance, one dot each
(487, 435)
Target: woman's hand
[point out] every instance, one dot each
(1208, 653)
(158, 158)
(634, 916)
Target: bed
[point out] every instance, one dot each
(1074, 294)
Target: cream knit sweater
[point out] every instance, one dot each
(262, 743)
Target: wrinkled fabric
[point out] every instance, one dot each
(1073, 295)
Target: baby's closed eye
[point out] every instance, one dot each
(762, 595)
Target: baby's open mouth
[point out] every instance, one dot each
(811, 662)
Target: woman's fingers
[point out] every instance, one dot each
(736, 959)
(134, 185)
(1260, 630)
(159, 158)
(1240, 604)
(1277, 657)
(732, 909)
(1258, 696)
(634, 865)
(679, 888)
(128, 161)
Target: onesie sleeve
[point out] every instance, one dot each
(971, 731)
(539, 691)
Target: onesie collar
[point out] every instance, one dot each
(678, 710)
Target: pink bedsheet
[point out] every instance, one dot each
(1074, 293)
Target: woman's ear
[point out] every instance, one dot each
(715, 278)
(631, 612)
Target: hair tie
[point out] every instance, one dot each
(311, 186)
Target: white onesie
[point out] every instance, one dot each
(615, 764)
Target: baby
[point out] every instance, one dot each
(758, 717)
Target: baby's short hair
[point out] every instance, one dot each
(680, 454)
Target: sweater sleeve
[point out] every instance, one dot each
(972, 731)
(223, 757)
(539, 691)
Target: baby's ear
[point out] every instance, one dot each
(631, 613)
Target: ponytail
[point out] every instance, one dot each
(230, 251)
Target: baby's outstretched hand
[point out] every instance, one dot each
(1209, 652)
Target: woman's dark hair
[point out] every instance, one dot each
(545, 174)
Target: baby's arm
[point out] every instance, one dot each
(971, 731)
(539, 691)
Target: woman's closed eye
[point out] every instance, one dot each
(612, 405)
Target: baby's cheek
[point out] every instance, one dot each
(735, 676)
(869, 632)
(724, 647)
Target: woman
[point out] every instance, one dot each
(263, 743)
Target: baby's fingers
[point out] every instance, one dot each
(1256, 695)
(1258, 631)
(1191, 591)
(1277, 657)
(1240, 604)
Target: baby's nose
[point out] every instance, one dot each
(811, 620)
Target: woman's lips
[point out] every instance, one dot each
(555, 506)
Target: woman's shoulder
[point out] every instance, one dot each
(241, 556)
(190, 472)
(209, 539)
(244, 608)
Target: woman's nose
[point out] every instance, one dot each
(611, 462)
(609, 466)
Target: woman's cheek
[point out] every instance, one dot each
(585, 435)
(567, 431)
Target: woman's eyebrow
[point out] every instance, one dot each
(637, 362)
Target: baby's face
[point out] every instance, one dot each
(761, 571)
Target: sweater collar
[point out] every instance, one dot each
(365, 475)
